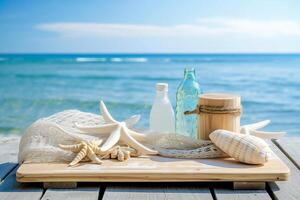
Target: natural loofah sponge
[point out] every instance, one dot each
(244, 148)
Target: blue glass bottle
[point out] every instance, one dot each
(186, 99)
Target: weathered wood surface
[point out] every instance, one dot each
(241, 194)
(290, 189)
(229, 194)
(291, 148)
(86, 193)
(10, 189)
(158, 192)
(5, 169)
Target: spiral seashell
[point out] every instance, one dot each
(244, 148)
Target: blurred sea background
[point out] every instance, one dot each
(38, 85)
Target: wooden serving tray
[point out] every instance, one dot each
(156, 169)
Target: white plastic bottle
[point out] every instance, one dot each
(162, 114)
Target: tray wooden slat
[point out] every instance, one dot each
(155, 169)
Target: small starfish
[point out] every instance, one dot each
(119, 132)
(85, 151)
(120, 153)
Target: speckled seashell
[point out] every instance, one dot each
(244, 148)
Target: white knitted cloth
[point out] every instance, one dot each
(40, 141)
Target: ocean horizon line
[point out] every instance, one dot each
(138, 53)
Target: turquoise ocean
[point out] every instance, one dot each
(38, 85)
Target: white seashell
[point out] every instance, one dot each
(244, 148)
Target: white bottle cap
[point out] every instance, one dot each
(162, 87)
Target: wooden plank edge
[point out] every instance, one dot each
(10, 189)
(255, 177)
(285, 153)
(282, 177)
(272, 188)
(10, 168)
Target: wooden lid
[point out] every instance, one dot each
(221, 100)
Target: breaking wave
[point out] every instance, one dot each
(83, 59)
(138, 60)
(114, 60)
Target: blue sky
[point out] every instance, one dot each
(149, 26)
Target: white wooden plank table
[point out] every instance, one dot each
(5, 169)
(10, 189)
(86, 193)
(289, 189)
(290, 146)
(228, 194)
(157, 192)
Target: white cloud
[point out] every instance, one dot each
(254, 27)
(203, 27)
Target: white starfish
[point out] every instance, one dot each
(118, 132)
(252, 130)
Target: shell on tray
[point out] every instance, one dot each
(244, 148)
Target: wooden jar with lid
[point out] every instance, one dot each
(217, 111)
